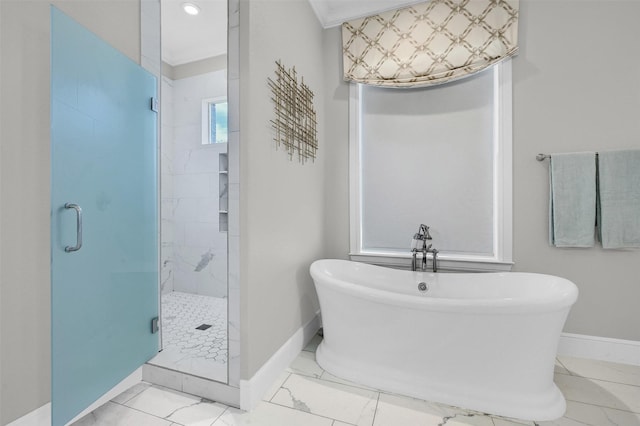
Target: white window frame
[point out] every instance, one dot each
(501, 260)
(206, 122)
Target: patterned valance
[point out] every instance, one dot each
(429, 43)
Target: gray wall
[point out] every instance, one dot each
(25, 355)
(281, 201)
(575, 89)
(336, 108)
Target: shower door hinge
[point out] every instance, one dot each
(155, 325)
(154, 104)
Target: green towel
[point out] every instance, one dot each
(572, 199)
(619, 199)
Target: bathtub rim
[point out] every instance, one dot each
(519, 305)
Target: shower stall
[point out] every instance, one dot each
(194, 191)
(193, 253)
(110, 270)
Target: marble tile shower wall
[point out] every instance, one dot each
(194, 251)
(166, 185)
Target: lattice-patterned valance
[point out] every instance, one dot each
(429, 43)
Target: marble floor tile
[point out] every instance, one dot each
(335, 379)
(267, 414)
(501, 421)
(131, 392)
(599, 392)
(579, 414)
(305, 364)
(276, 386)
(162, 402)
(396, 410)
(119, 415)
(339, 402)
(602, 370)
(300, 398)
(201, 414)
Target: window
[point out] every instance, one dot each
(440, 156)
(214, 121)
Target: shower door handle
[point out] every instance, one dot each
(78, 227)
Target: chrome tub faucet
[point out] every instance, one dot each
(420, 238)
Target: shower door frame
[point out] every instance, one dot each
(233, 234)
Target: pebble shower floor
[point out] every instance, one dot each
(182, 313)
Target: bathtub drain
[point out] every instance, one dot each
(423, 286)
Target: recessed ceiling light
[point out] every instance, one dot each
(190, 8)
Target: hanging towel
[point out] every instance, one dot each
(619, 199)
(572, 199)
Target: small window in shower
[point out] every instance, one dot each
(214, 121)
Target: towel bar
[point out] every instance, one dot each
(542, 157)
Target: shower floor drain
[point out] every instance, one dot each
(203, 327)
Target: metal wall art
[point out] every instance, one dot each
(295, 121)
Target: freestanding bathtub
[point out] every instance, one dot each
(481, 341)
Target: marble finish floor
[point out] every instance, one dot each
(200, 352)
(598, 394)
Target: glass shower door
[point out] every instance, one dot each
(104, 231)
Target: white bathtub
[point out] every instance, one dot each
(481, 341)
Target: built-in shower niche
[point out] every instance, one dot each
(223, 185)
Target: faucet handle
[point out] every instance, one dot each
(424, 230)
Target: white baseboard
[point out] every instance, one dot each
(600, 348)
(42, 416)
(252, 390)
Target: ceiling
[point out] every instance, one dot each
(332, 13)
(188, 38)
